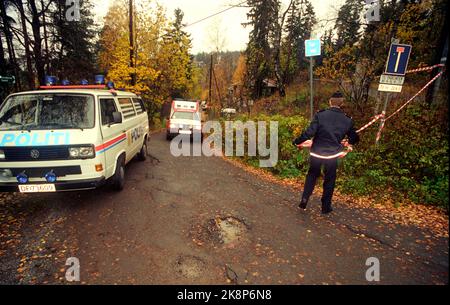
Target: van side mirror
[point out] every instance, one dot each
(117, 117)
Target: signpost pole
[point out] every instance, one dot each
(394, 75)
(312, 48)
(386, 101)
(311, 86)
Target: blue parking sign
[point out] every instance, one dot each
(398, 58)
(312, 47)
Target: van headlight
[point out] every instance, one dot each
(82, 152)
(2, 154)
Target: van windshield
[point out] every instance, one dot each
(47, 111)
(184, 115)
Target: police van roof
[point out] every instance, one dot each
(96, 92)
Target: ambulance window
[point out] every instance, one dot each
(138, 105)
(126, 107)
(108, 106)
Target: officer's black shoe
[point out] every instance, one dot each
(327, 211)
(303, 204)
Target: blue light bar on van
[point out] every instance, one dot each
(99, 79)
(74, 87)
(50, 80)
(84, 82)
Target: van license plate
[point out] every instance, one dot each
(185, 132)
(37, 188)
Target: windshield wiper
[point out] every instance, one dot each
(12, 123)
(59, 125)
(22, 125)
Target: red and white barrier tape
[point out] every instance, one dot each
(376, 118)
(381, 128)
(342, 154)
(415, 95)
(425, 68)
(308, 143)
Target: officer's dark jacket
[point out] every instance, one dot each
(328, 128)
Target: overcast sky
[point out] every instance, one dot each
(229, 23)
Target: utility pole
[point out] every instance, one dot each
(218, 90)
(131, 20)
(210, 80)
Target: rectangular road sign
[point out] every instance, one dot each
(312, 47)
(7, 79)
(398, 58)
(390, 88)
(392, 79)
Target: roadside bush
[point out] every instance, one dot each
(410, 162)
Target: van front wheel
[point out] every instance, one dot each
(142, 154)
(118, 181)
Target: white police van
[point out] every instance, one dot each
(69, 138)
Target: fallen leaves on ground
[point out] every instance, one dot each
(406, 213)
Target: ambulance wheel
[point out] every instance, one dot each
(142, 155)
(118, 181)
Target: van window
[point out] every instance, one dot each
(107, 106)
(47, 111)
(138, 105)
(127, 108)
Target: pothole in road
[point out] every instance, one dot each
(227, 230)
(190, 266)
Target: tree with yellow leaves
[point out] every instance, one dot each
(163, 65)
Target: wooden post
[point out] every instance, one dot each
(133, 74)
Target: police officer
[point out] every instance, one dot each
(328, 128)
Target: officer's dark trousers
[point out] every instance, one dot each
(315, 165)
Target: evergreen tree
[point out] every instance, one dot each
(6, 27)
(263, 17)
(349, 22)
(74, 43)
(175, 60)
(300, 22)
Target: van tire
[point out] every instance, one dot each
(142, 154)
(118, 180)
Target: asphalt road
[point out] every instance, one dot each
(199, 220)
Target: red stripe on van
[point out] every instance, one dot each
(110, 142)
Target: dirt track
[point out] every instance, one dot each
(199, 220)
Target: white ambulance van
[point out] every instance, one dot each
(69, 139)
(185, 118)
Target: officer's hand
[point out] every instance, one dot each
(307, 143)
(345, 143)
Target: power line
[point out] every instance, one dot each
(210, 16)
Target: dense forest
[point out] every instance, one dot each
(36, 39)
